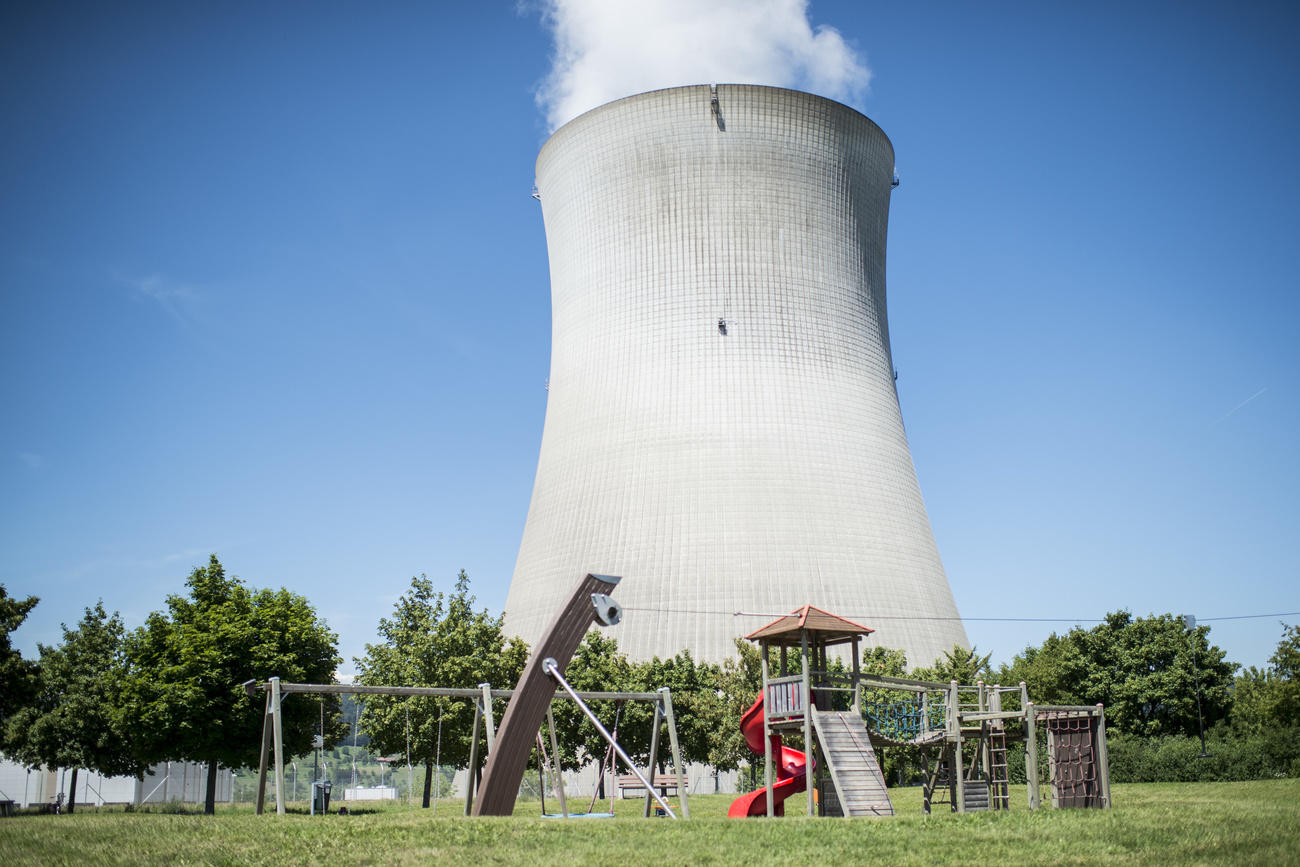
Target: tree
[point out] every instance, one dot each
(882, 707)
(1053, 672)
(740, 680)
(17, 675)
(1143, 670)
(186, 667)
(1285, 663)
(959, 664)
(697, 706)
(1270, 698)
(434, 640)
(597, 666)
(76, 720)
(1255, 702)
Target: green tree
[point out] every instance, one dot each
(186, 667)
(1144, 670)
(1053, 672)
(697, 706)
(597, 666)
(441, 641)
(76, 720)
(1285, 663)
(740, 680)
(1255, 701)
(17, 675)
(887, 710)
(1270, 698)
(959, 664)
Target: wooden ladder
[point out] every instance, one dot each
(999, 798)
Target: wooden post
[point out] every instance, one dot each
(278, 726)
(809, 745)
(522, 720)
(1051, 766)
(555, 758)
(473, 758)
(857, 685)
(1103, 757)
(767, 740)
(1031, 752)
(489, 728)
(985, 747)
(822, 777)
(677, 753)
(928, 779)
(654, 758)
(822, 698)
(265, 754)
(956, 768)
(923, 705)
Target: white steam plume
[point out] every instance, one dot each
(607, 49)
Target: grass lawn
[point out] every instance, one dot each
(1238, 823)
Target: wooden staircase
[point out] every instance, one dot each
(976, 795)
(846, 747)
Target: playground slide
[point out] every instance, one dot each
(791, 769)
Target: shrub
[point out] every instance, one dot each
(1231, 757)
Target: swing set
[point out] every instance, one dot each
(530, 703)
(271, 756)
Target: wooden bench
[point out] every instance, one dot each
(662, 782)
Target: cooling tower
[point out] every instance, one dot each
(722, 427)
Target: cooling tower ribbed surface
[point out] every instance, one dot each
(722, 428)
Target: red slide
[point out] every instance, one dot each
(791, 769)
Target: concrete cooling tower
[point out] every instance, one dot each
(722, 426)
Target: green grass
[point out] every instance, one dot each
(1238, 823)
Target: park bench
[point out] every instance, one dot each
(662, 782)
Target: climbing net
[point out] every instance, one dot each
(905, 719)
(1072, 758)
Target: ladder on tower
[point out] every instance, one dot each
(999, 798)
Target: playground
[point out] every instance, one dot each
(843, 716)
(966, 810)
(1239, 823)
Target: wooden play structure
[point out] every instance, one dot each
(961, 732)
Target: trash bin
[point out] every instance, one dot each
(320, 796)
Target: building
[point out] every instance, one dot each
(722, 426)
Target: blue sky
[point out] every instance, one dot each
(273, 286)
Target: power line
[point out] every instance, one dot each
(958, 619)
(1253, 616)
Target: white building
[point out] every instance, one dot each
(722, 427)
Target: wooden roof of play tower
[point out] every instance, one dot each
(822, 627)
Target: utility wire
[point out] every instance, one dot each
(959, 619)
(1251, 616)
